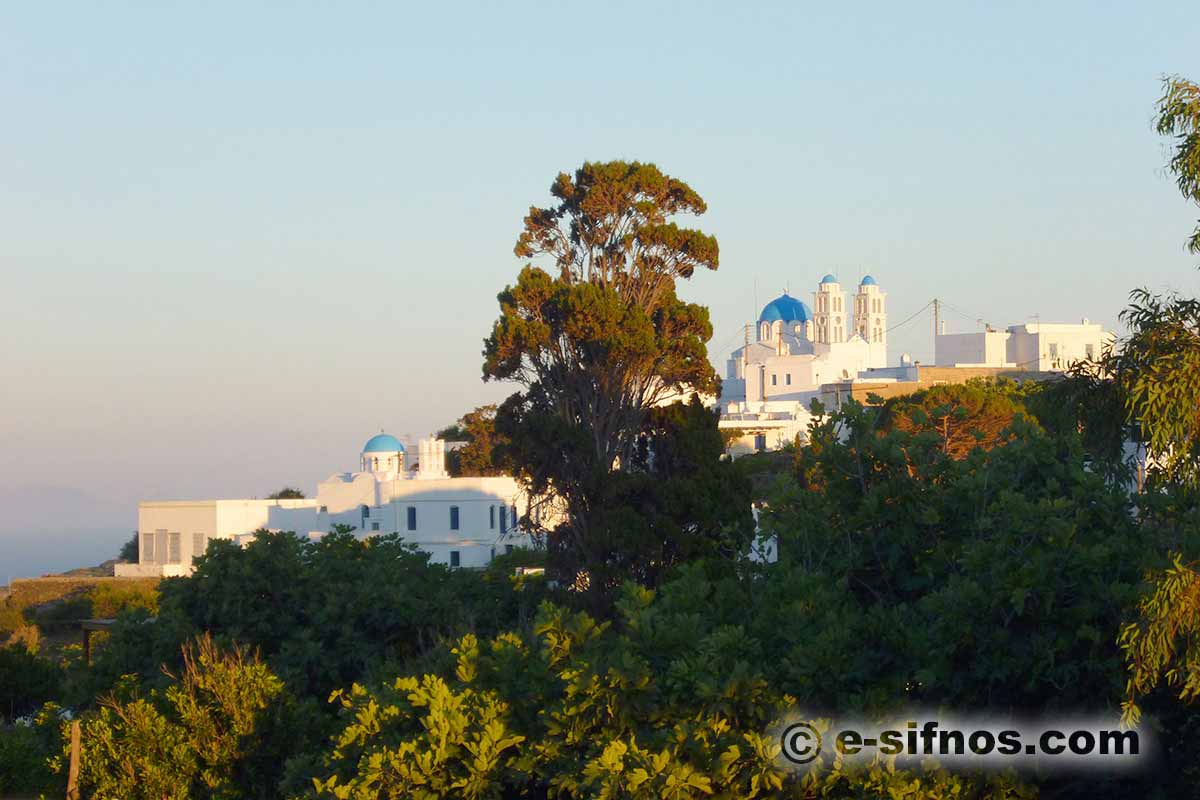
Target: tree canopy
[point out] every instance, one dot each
(598, 343)
(1179, 118)
(480, 443)
(964, 416)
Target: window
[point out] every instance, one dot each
(366, 512)
(788, 379)
(199, 545)
(174, 555)
(1054, 350)
(147, 548)
(503, 520)
(374, 526)
(160, 546)
(1090, 351)
(454, 558)
(514, 513)
(492, 517)
(760, 441)
(774, 381)
(412, 518)
(453, 518)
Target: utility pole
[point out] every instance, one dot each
(936, 324)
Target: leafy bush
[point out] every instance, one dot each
(25, 754)
(111, 598)
(323, 614)
(662, 703)
(911, 573)
(26, 681)
(207, 735)
(56, 604)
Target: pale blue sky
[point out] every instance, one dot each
(237, 240)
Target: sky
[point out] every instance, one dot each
(238, 239)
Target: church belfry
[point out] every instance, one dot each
(870, 319)
(829, 312)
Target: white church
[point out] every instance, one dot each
(798, 348)
(462, 522)
(802, 353)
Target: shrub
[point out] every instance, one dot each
(207, 735)
(26, 681)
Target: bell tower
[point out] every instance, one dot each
(829, 312)
(870, 319)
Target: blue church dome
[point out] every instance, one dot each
(785, 308)
(867, 281)
(829, 278)
(383, 443)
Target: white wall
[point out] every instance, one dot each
(1054, 347)
(980, 348)
(179, 520)
(486, 520)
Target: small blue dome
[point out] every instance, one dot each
(867, 281)
(785, 308)
(383, 443)
(829, 279)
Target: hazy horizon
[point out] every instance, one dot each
(240, 240)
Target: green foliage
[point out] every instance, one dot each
(593, 360)
(323, 613)
(505, 564)
(672, 699)
(1155, 371)
(110, 599)
(992, 581)
(58, 603)
(26, 681)
(599, 343)
(286, 493)
(910, 574)
(675, 499)
(26, 751)
(1179, 117)
(129, 550)
(1087, 402)
(1163, 645)
(420, 739)
(573, 709)
(478, 455)
(200, 737)
(964, 416)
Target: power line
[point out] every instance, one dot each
(965, 315)
(919, 311)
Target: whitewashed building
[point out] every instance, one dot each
(770, 382)
(836, 349)
(463, 522)
(1035, 346)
